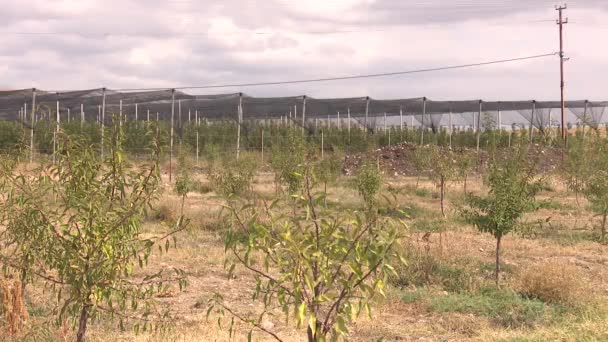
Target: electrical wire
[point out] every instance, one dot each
(341, 78)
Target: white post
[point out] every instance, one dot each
(197, 150)
(56, 133)
(422, 121)
(136, 111)
(451, 127)
(303, 113)
(32, 128)
(179, 118)
(120, 114)
(103, 118)
(81, 115)
(238, 128)
(262, 146)
(585, 118)
(68, 114)
(366, 113)
(322, 145)
(385, 122)
(189, 115)
(348, 114)
(478, 125)
(171, 134)
(532, 122)
(499, 117)
(339, 125)
(157, 116)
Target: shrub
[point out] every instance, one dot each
(368, 184)
(552, 282)
(234, 177)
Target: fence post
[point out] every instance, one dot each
(303, 113)
(33, 118)
(348, 113)
(531, 133)
(400, 124)
(451, 126)
(56, 132)
(366, 113)
(478, 125)
(238, 127)
(171, 134)
(584, 119)
(103, 118)
(422, 121)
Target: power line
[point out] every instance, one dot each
(350, 77)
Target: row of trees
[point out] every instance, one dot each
(222, 135)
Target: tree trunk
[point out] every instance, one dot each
(315, 337)
(498, 239)
(82, 323)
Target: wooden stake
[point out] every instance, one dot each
(322, 145)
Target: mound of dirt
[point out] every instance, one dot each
(398, 160)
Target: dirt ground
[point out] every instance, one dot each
(565, 237)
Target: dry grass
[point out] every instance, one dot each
(542, 269)
(553, 282)
(12, 306)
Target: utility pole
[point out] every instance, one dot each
(561, 23)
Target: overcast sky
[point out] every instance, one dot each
(79, 44)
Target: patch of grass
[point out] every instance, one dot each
(504, 307)
(415, 211)
(558, 233)
(425, 269)
(201, 187)
(488, 268)
(422, 192)
(555, 283)
(550, 204)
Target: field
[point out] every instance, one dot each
(553, 263)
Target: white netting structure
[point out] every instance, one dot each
(589, 114)
(301, 110)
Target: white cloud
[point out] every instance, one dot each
(157, 43)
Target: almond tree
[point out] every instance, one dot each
(76, 225)
(511, 194)
(321, 268)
